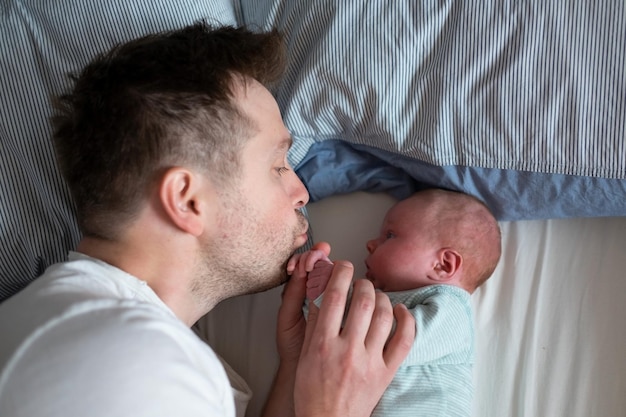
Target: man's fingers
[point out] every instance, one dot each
(311, 323)
(338, 372)
(400, 343)
(327, 321)
(362, 307)
(293, 296)
(382, 323)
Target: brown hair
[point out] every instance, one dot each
(466, 224)
(159, 101)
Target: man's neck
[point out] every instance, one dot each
(167, 272)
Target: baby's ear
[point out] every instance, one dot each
(449, 262)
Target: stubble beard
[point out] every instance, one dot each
(251, 259)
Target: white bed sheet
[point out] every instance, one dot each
(550, 323)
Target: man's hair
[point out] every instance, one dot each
(153, 103)
(466, 224)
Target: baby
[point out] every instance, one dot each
(433, 250)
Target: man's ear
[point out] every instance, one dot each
(449, 262)
(181, 193)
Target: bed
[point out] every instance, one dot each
(520, 103)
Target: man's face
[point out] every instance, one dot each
(259, 221)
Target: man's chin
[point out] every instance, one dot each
(279, 279)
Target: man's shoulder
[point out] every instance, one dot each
(115, 329)
(117, 349)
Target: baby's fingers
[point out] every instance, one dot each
(313, 257)
(293, 262)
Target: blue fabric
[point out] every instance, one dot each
(337, 167)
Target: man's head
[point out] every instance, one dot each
(159, 101)
(435, 236)
(175, 150)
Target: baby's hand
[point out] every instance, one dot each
(318, 278)
(302, 265)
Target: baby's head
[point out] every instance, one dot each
(434, 237)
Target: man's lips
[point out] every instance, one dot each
(303, 235)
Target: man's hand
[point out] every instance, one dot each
(344, 372)
(290, 333)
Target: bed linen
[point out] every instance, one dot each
(521, 103)
(473, 100)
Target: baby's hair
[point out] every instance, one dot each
(466, 224)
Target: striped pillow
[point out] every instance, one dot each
(41, 43)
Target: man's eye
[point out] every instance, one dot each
(282, 170)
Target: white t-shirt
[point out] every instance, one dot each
(87, 339)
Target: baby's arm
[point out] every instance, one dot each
(316, 266)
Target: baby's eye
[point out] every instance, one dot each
(389, 235)
(282, 170)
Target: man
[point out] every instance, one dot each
(176, 156)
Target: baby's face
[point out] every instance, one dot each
(402, 257)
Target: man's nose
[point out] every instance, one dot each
(298, 192)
